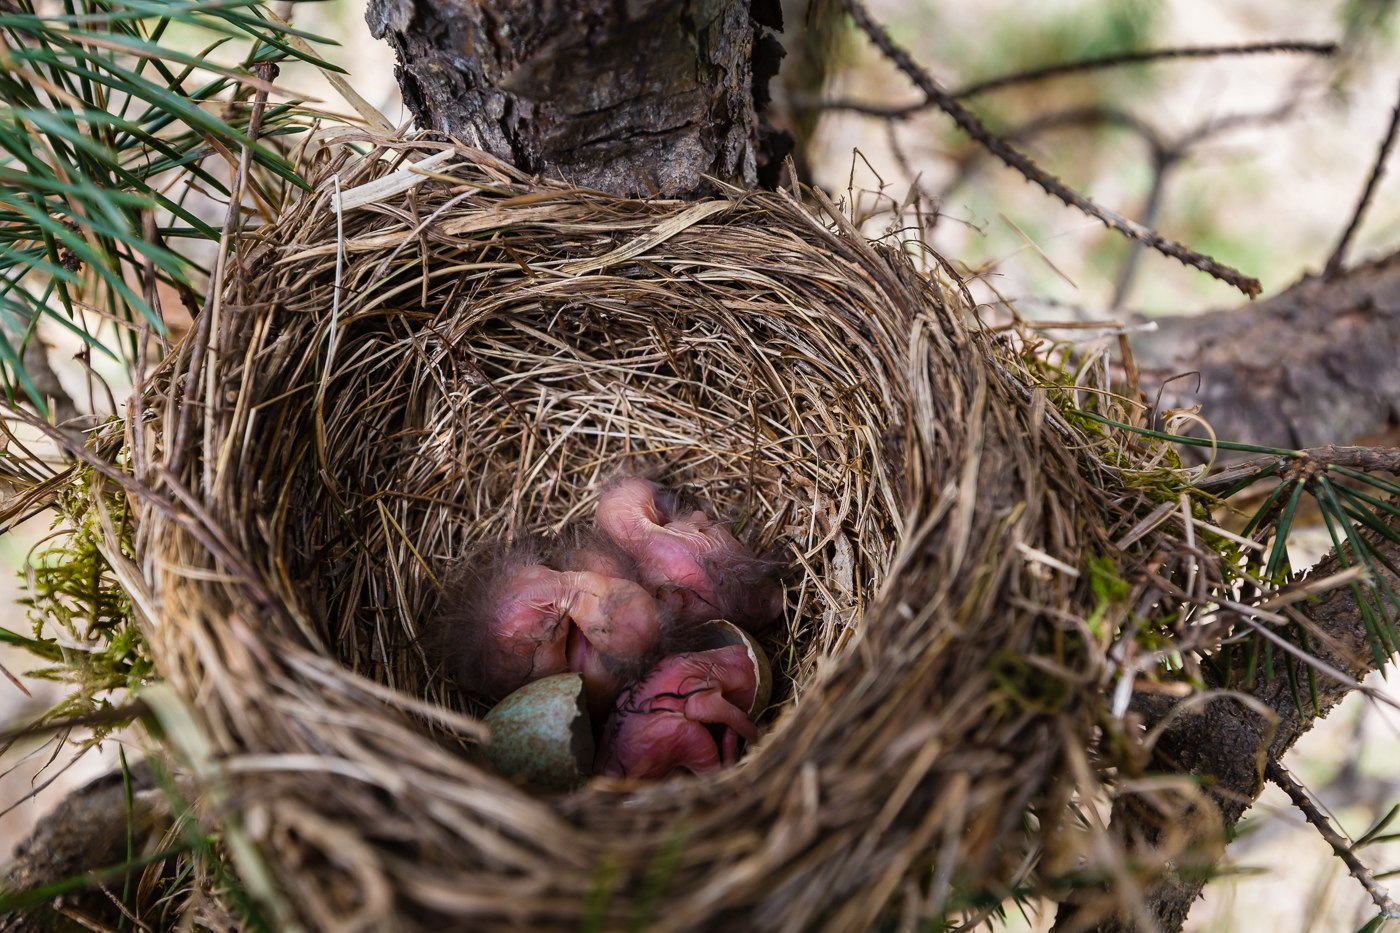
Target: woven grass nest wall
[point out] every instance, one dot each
(472, 358)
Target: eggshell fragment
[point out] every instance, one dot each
(541, 735)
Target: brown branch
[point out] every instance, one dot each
(999, 147)
(1379, 896)
(1368, 459)
(84, 838)
(112, 715)
(1148, 55)
(1162, 163)
(1312, 365)
(1334, 263)
(1066, 68)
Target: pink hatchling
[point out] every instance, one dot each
(526, 621)
(688, 714)
(686, 559)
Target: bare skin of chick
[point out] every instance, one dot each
(523, 621)
(688, 714)
(688, 560)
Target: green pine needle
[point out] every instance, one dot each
(105, 131)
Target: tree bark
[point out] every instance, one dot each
(92, 830)
(634, 97)
(1315, 364)
(647, 97)
(613, 98)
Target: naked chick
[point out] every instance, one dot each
(686, 559)
(688, 715)
(516, 620)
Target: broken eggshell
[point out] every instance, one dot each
(689, 713)
(541, 735)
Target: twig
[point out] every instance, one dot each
(1366, 459)
(1162, 163)
(1379, 896)
(266, 71)
(999, 147)
(1334, 263)
(1118, 59)
(101, 717)
(1066, 68)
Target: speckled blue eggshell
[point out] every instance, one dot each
(541, 735)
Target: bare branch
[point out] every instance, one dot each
(1227, 744)
(1119, 59)
(999, 147)
(1076, 67)
(1334, 263)
(106, 716)
(1311, 365)
(1379, 896)
(1369, 459)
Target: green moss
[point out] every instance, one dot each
(81, 622)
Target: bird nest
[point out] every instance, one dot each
(460, 356)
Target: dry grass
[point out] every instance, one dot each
(466, 359)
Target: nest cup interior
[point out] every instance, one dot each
(475, 388)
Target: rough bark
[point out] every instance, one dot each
(645, 97)
(89, 832)
(635, 97)
(1316, 364)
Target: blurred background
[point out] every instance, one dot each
(1255, 160)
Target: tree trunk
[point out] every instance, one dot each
(647, 97)
(1226, 743)
(634, 97)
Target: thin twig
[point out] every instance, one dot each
(1160, 168)
(103, 717)
(1118, 59)
(1334, 263)
(999, 147)
(1379, 896)
(1067, 68)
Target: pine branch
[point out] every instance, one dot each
(1340, 847)
(104, 119)
(1227, 744)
